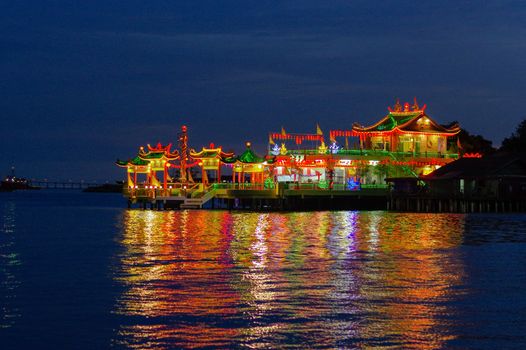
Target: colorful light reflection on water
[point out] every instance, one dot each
(262, 280)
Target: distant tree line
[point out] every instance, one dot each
(515, 143)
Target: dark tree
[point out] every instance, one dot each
(474, 143)
(517, 141)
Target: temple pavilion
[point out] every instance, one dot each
(249, 164)
(150, 162)
(210, 160)
(406, 129)
(405, 143)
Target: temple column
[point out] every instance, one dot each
(218, 180)
(130, 182)
(153, 178)
(427, 142)
(165, 175)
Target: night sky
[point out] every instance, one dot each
(84, 83)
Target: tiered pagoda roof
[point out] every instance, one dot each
(211, 152)
(407, 119)
(132, 162)
(158, 152)
(145, 157)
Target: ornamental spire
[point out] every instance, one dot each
(398, 106)
(415, 106)
(406, 107)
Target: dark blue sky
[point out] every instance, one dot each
(85, 82)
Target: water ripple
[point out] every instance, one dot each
(264, 280)
(9, 260)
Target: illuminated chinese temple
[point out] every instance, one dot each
(406, 142)
(406, 129)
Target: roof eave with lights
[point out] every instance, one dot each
(403, 119)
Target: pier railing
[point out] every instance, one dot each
(172, 190)
(197, 190)
(375, 153)
(240, 186)
(335, 187)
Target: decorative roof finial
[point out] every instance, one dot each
(415, 106)
(398, 106)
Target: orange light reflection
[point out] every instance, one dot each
(221, 279)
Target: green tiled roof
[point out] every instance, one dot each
(250, 157)
(208, 154)
(152, 155)
(135, 161)
(393, 120)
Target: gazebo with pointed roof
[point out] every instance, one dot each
(159, 158)
(149, 162)
(249, 163)
(159, 152)
(133, 167)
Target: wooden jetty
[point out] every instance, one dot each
(433, 204)
(495, 183)
(250, 197)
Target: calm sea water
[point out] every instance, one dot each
(78, 271)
